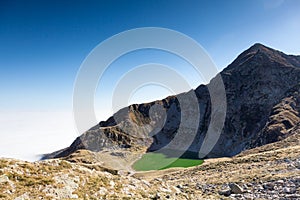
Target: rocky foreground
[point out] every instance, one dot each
(268, 172)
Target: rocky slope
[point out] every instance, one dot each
(268, 172)
(262, 107)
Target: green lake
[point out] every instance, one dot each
(159, 161)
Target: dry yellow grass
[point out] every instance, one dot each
(60, 179)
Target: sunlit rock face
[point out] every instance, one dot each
(262, 101)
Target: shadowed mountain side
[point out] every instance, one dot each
(262, 106)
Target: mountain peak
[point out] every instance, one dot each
(258, 47)
(259, 53)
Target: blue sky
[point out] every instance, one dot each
(43, 43)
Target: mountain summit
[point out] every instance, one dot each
(263, 106)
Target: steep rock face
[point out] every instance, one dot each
(255, 82)
(284, 119)
(262, 106)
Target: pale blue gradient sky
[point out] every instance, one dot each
(44, 42)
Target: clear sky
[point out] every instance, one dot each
(43, 43)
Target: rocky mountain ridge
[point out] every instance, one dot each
(262, 94)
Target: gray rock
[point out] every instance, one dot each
(297, 164)
(280, 182)
(288, 190)
(259, 187)
(292, 196)
(4, 179)
(268, 186)
(235, 188)
(225, 192)
(157, 196)
(23, 197)
(179, 186)
(237, 196)
(249, 196)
